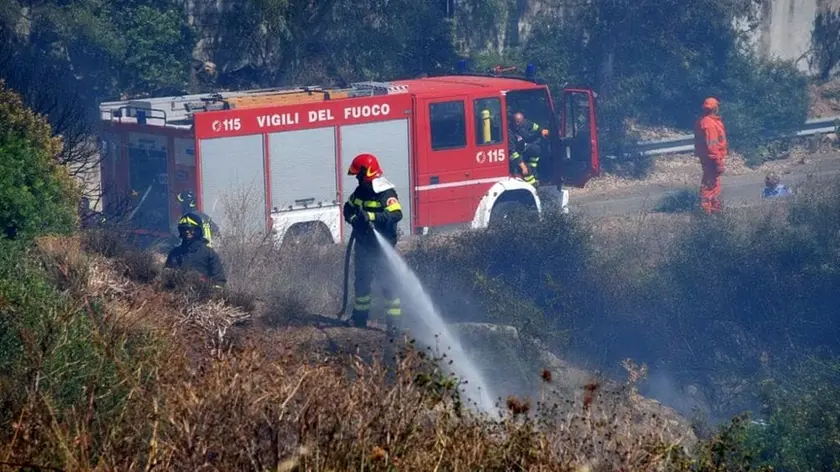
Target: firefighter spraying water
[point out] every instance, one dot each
(374, 205)
(373, 210)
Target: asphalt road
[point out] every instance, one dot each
(737, 190)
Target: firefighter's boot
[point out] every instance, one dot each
(393, 311)
(359, 319)
(361, 310)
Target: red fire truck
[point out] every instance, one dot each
(277, 159)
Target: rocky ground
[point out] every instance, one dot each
(825, 99)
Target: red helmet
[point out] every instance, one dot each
(367, 163)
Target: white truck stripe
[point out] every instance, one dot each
(462, 183)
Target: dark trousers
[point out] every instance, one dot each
(370, 262)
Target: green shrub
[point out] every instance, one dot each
(762, 100)
(36, 195)
(735, 289)
(802, 432)
(704, 300)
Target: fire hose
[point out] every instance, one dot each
(347, 253)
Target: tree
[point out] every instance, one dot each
(383, 42)
(264, 41)
(50, 91)
(825, 37)
(114, 48)
(65, 57)
(655, 61)
(154, 53)
(37, 194)
(276, 42)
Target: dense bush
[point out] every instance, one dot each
(72, 331)
(761, 100)
(36, 194)
(803, 425)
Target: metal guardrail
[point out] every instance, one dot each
(685, 142)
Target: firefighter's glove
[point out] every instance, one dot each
(361, 219)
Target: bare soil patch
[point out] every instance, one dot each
(684, 170)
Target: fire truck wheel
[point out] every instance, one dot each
(503, 210)
(307, 233)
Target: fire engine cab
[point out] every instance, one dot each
(277, 159)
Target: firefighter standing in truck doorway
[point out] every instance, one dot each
(527, 135)
(195, 253)
(374, 204)
(188, 205)
(711, 147)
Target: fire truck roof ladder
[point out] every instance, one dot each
(372, 88)
(287, 97)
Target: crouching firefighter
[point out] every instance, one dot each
(373, 205)
(517, 163)
(528, 136)
(194, 253)
(187, 201)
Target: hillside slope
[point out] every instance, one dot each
(197, 382)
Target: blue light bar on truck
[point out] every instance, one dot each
(531, 71)
(462, 66)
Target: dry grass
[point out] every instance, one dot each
(177, 382)
(193, 403)
(278, 283)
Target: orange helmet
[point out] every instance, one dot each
(710, 104)
(367, 163)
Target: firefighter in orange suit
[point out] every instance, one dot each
(711, 147)
(373, 205)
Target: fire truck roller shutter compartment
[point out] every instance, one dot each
(389, 142)
(148, 176)
(232, 170)
(303, 183)
(109, 165)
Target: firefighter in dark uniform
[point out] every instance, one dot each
(373, 205)
(189, 205)
(517, 163)
(528, 136)
(194, 253)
